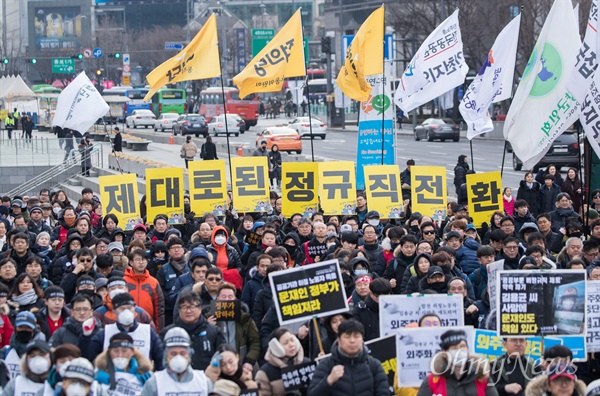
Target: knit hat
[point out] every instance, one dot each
(177, 337)
(34, 208)
(122, 299)
(80, 368)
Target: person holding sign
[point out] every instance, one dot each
(350, 370)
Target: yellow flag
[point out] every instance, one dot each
(282, 57)
(198, 60)
(364, 57)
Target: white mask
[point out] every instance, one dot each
(56, 210)
(126, 318)
(374, 222)
(458, 357)
(61, 368)
(178, 364)
(76, 389)
(39, 364)
(330, 244)
(120, 362)
(113, 293)
(360, 272)
(220, 240)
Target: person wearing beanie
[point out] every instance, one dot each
(61, 356)
(36, 223)
(367, 311)
(122, 369)
(178, 377)
(284, 350)
(54, 313)
(145, 337)
(107, 315)
(35, 367)
(78, 379)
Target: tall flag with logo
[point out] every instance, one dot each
(585, 81)
(198, 60)
(364, 57)
(437, 67)
(282, 57)
(493, 83)
(542, 107)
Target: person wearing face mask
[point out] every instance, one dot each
(122, 369)
(86, 286)
(226, 257)
(78, 379)
(145, 338)
(25, 331)
(106, 313)
(457, 372)
(291, 243)
(72, 328)
(435, 280)
(60, 358)
(178, 377)
(35, 366)
(373, 220)
(388, 245)
(66, 221)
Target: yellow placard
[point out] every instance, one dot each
(429, 191)
(383, 189)
(250, 184)
(208, 187)
(484, 192)
(337, 181)
(164, 194)
(119, 195)
(300, 191)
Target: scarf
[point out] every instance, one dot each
(29, 297)
(178, 265)
(509, 198)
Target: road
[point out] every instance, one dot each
(341, 145)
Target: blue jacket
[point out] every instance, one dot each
(251, 289)
(180, 283)
(479, 279)
(466, 256)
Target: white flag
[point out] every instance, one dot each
(437, 67)
(79, 105)
(542, 108)
(583, 74)
(493, 83)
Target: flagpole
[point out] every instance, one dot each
(225, 117)
(383, 97)
(503, 157)
(312, 138)
(472, 160)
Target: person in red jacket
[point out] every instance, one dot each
(144, 288)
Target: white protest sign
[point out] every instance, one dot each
(415, 347)
(593, 316)
(396, 311)
(492, 271)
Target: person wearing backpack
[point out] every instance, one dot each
(350, 370)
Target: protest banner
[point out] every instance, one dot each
(226, 310)
(164, 194)
(533, 303)
(337, 188)
(303, 293)
(300, 188)
(492, 273)
(396, 311)
(250, 392)
(415, 347)
(384, 350)
(484, 193)
(593, 316)
(383, 190)
(207, 182)
(429, 191)
(250, 184)
(297, 378)
(119, 195)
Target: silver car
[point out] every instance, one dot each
(144, 118)
(216, 126)
(165, 121)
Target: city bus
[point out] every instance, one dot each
(211, 104)
(136, 96)
(45, 89)
(169, 100)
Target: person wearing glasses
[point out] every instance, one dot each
(81, 264)
(71, 330)
(511, 253)
(512, 371)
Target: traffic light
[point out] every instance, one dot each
(326, 45)
(98, 72)
(32, 61)
(78, 56)
(115, 55)
(5, 61)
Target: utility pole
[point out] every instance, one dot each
(342, 55)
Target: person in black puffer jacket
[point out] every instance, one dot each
(529, 190)
(71, 329)
(367, 311)
(264, 297)
(404, 256)
(361, 374)
(460, 172)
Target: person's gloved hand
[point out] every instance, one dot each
(215, 361)
(88, 326)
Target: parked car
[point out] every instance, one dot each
(437, 128)
(190, 124)
(144, 118)
(564, 152)
(285, 138)
(165, 121)
(216, 126)
(302, 126)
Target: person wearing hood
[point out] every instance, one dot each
(122, 369)
(82, 264)
(284, 350)
(414, 273)
(179, 377)
(254, 285)
(205, 338)
(558, 380)
(72, 328)
(199, 263)
(367, 311)
(106, 313)
(460, 172)
(404, 256)
(457, 372)
(35, 367)
(26, 331)
(526, 230)
(52, 316)
(159, 232)
(291, 243)
(159, 256)
(62, 262)
(84, 228)
(118, 235)
(371, 246)
(225, 257)
(60, 358)
(466, 254)
(168, 273)
(145, 289)
(529, 191)
(66, 221)
(564, 210)
(350, 370)
(145, 338)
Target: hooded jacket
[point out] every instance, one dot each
(537, 387)
(367, 313)
(466, 255)
(139, 366)
(559, 217)
(148, 294)
(251, 289)
(63, 260)
(225, 256)
(26, 372)
(363, 375)
(295, 256)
